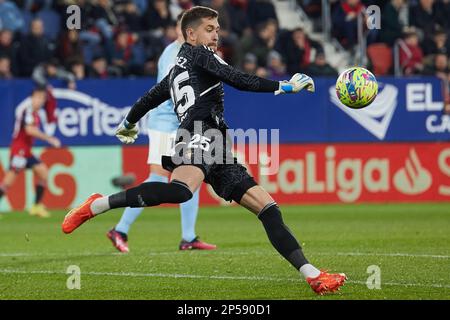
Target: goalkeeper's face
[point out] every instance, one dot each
(207, 33)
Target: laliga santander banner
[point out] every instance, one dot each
(319, 173)
(341, 173)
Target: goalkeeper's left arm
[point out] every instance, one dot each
(128, 130)
(210, 62)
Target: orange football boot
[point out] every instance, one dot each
(77, 216)
(327, 282)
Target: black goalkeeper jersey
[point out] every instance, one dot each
(195, 86)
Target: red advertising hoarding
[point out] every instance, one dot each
(318, 173)
(323, 173)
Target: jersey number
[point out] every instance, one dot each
(183, 97)
(198, 141)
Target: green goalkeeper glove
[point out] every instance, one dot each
(127, 132)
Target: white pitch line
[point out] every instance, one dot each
(432, 285)
(390, 255)
(50, 254)
(214, 277)
(14, 254)
(434, 256)
(151, 275)
(231, 253)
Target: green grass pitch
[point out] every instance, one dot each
(410, 243)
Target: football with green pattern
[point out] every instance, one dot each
(356, 87)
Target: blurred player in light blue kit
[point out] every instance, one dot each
(162, 126)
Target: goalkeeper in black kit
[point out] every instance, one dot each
(201, 152)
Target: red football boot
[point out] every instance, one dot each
(77, 216)
(327, 282)
(196, 244)
(119, 240)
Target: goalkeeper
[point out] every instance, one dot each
(162, 127)
(195, 86)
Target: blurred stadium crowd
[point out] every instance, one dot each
(123, 38)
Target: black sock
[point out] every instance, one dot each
(2, 192)
(39, 193)
(281, 237)
(151, 194)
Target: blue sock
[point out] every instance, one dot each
(131, 214)
(189, 210)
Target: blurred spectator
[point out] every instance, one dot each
(122, 56)
(157, 16)
(129, 16)
(428, 15)
(141, 5)
(151, 67)
(250, 63)
(6, 43)
(8, 48)
(262, 72)
(259, 11)
(392, 27)
(78, 69)
(224, 17)
(123, 31)
(344, 20)
(34, 49)
(70, 45)
(52, 70)
(446, 9)
(153, 46)
(298, 51)
(275, 65)
(105, 18)
(439, 68)
(447, 108)
(170, 34)
(5, 68)
(227, 39)
(320, 67)
(411, 55)
(100, 69)
(263, 42)
(438, 44)
(52, 20)
(313, 8)
(178, 6)
(250, 66)
(237, 9)
(10, 16)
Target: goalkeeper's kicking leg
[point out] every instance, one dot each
(187, 179)
(258, 201)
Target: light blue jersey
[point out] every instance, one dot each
(163, 118)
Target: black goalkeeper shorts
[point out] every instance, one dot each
(206, 147)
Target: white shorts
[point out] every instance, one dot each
(160, 144)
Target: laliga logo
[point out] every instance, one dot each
(376, 117)
(413, 178)
(97, 118)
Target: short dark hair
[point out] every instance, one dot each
(52, 62)
(39, 88)
(192, 17)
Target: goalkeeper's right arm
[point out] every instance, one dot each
(127, 131)
(150, 100)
